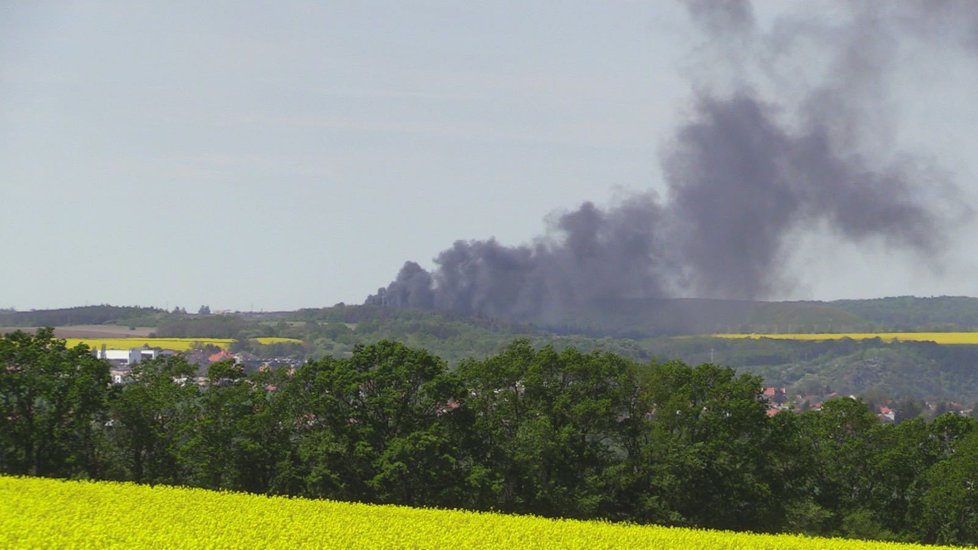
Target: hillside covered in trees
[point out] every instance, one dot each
(625, 318)
(876, 369)
(82, 315)
(527, 430)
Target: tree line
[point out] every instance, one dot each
(528, 430)
(82, 315)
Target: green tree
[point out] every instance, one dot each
(52, 404)
(379, 426)
(950, 502)
(548, 428)
(710, 449)
(214, 453)
(844, 437)
(153, 414)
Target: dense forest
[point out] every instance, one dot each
(528, 430)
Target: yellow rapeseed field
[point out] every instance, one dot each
(937, 337)
(265, 340)
(45, 513)
(176, 344)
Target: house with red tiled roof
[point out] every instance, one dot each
(775, 395)
(222, 355)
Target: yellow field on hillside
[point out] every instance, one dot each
(45, 513)
(265, 340)
(175, 344)
(937, 337)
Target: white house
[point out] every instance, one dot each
(126, 357)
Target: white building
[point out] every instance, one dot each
(122, 360)
(126, 357)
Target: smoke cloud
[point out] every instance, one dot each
(759, 157)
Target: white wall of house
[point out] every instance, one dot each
(129, 356)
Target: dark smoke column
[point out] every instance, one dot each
(745, 172)
(589, 257)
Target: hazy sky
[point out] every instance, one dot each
(294, 154)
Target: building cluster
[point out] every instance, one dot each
(121, 361)
(778, 401)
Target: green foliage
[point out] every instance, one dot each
(151, 419)
(911, 370)
(909, 313)
(51, 400)
(209, 326)
(950, 501)
(633, 329)
(532, 429)
(709, 447)
(548, 426)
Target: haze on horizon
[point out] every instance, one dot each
(275, 156)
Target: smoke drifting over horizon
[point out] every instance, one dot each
(759, 158)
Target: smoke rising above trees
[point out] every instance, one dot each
(766, 150)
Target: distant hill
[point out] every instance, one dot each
(641, 318)
(638, 318)
(673, 317)
(83, 315)
(909, 313)
(645, 330)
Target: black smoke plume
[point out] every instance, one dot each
(745, 172)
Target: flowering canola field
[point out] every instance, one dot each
(176, 344)
(937, 337)
(36, 512)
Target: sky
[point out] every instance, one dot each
(270, 156)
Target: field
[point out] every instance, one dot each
(958, 338)
(176, 344)
(38, 512)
